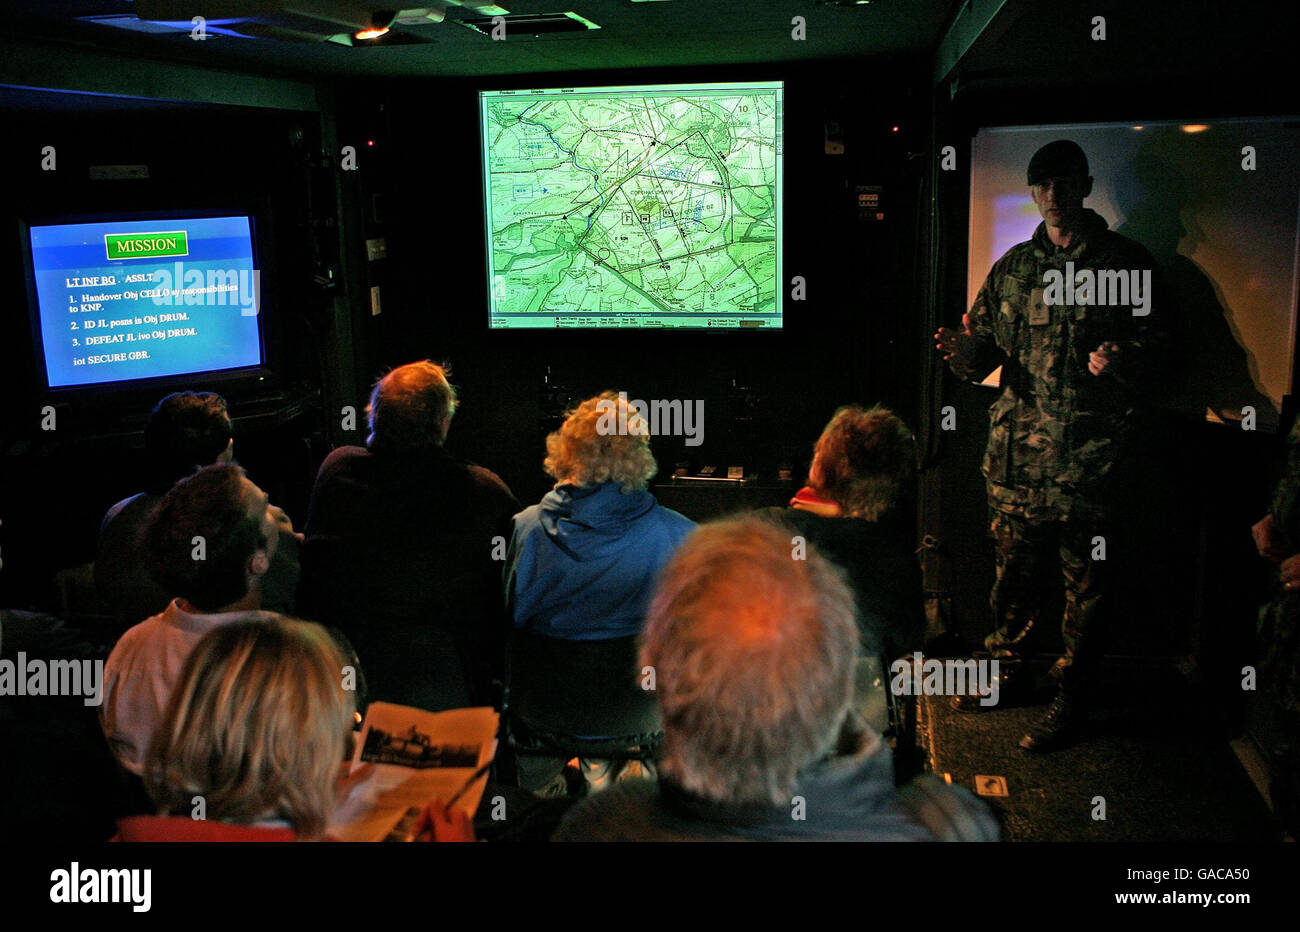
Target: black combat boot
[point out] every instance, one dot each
(1015, 685)
(1058, 728)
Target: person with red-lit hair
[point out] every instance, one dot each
(753, 652)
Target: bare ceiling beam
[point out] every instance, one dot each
(87, 71)
(976, 21)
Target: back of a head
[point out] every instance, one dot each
(257, 725)
(603, 439)
(753, 644)
(865, 461)
(185, 431)
(411, 407)
(211, 505)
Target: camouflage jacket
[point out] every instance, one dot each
(1286, 499)
(1057, 431)
(1279, 618)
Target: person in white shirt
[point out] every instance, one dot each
(211, 543)
(185, 432)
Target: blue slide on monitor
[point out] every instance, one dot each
(145, 299)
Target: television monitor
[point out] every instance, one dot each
(141, 299)
(656, 206)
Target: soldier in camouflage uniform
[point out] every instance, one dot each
(1072, 373)
(1278, 540)
(1277, 537)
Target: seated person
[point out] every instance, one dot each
(399, 550)
(217, 581)
(66, 786)
(185, 431)
(258, 728)
(853, 511)
(582, 564)
(754, 654)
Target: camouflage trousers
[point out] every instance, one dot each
(1279, 665)
(1034, 560)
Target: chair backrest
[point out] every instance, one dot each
(871, 692)
(583, 689)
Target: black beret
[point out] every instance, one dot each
(1060, 159)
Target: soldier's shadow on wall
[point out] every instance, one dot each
(1181, 514)
(1211, 366)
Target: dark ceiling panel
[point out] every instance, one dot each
(1053, 44)
(671, 33)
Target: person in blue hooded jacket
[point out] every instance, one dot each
(583, 562)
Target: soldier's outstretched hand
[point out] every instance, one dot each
(952, 342)
(1269, 540)
(1102, 357)
(1290, 573)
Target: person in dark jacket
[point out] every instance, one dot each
(399, 550)
(582, 563)
(754, 654)
(854, 511)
